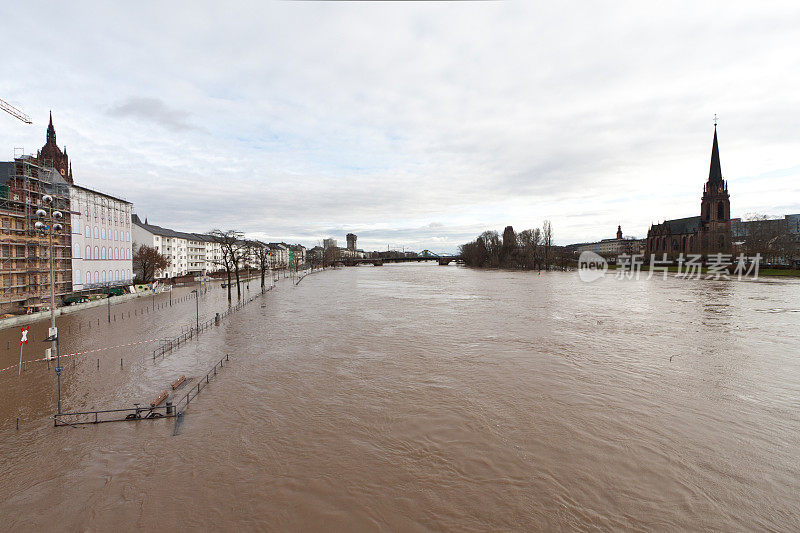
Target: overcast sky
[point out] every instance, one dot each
(412, 124)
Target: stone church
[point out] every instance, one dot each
(707, 234)
(52, 156)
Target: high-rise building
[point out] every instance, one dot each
(351, 242)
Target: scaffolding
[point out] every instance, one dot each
(24, 251)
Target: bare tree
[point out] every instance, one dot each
(769, 237)
(148, 261)
(530, 241)
(229, 244)
(547, 242)
(261, 253)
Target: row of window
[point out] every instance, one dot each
(101, 252)
(102, 276)
(102, 206)
(100, 233)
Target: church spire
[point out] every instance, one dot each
(715, 172)
(51, 131)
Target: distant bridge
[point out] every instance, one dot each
(378, 261)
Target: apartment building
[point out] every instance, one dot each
(102, 254)
(187, 253)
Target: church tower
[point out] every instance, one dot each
(619, 233)
(715, 209)
(52, 156)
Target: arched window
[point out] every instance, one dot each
(116, 273)
(684, 244)
(88, 231)
(88, 277)
(77, 250)
(88, 252)
(674, 244)
(104, 276)
(104, 232)
(96, 252)
(77, 277)
(96, 232)
(102, 252)
(721, 210)
(722, 242)
(116, 235)
(96, 276)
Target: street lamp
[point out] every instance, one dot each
(49, 222)
(197, 309)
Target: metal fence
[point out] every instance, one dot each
(167, 345)
(170, 409)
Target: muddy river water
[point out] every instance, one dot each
(416, 397)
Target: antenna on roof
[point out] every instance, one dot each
(715, 120)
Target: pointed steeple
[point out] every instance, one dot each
(715, 173)
(51, 131)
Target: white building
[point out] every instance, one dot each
(101, 239)
(187, 253)
(279, 255)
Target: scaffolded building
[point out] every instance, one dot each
(25, 251)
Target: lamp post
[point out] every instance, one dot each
(197, 309)
(48, 223)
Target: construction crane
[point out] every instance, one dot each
(14, 112)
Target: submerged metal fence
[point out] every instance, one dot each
(170, 409)
(167, 345)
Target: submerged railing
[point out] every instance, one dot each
(154, 411)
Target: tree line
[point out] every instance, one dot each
(772, 238)
(530, 249)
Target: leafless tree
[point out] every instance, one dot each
(769, 237)
(547, 242)
(148, 261)
(261, 253)
(530, 241)
(229, 241)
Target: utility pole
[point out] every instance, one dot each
(51, 216)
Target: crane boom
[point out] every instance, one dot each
(14, 112)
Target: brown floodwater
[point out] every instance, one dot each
(417, 397)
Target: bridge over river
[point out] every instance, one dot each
(443, 260)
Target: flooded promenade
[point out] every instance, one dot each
(416, 397)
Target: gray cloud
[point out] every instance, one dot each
(153, 110)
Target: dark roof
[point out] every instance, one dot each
(166, 232)
(715, 172)
(679, 226)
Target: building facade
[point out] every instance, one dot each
(186, 253)
(706, 234)
(102, 254)
(611, 248)
(24, 250)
